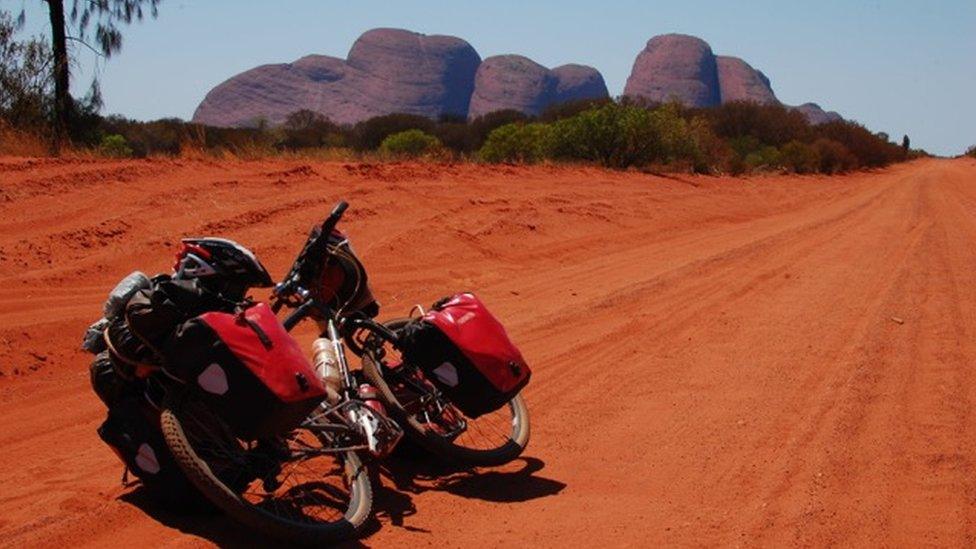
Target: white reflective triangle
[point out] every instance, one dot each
(213, 379)
(146, 459)
(447, 373)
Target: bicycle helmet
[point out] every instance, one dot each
(221, 265)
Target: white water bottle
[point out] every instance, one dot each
(327, 365)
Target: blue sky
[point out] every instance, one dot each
(897, 66)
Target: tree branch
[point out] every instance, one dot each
(86, 44)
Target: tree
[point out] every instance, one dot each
(25, 76)
(906, 144)
(100, 19)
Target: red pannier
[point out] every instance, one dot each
(249, 368)
(465, 351)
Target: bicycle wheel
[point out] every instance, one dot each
(431, 420)
(298, 487)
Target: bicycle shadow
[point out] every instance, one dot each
(211, 525)
(412, 471)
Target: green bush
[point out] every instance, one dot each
(410, 143)
(614, 135)
(677, 141)
(516, 142)
(115, 146)
(972, 151)
(368, 135)
(799, 157)
(764, 158)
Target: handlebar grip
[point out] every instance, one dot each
(339, 209)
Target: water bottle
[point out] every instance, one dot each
(327, 365)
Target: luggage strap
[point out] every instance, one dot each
(262, 336)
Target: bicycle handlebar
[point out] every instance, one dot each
(312, 252)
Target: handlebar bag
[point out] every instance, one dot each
(249, 368)
(463, 349)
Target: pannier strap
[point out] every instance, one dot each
(439, 304)
(262, 336)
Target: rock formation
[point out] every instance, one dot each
(387, 70)
(398, 71)
(816, 115)
(577, 82)
(675, 66)
(518, 83)
(738, 81)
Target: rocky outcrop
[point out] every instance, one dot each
(816, 115)
(398, 71)
(578, 82)
(511, 82)
(387, 70)
(683, 68)
(738, 81)
(518, 83)
(675, 67)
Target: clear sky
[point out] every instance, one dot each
(898, 66)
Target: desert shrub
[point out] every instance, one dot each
(763, 158)
(712, 152)
(479, 128)
(614, 135)
(306, 129)
(516, 143)
(799, 157)
(368, 135)
(115, 147)
(972, 151)
(677, 142)
(870, 150)
(769, 124)
(834, 157)
(410, 143)
(567, 109)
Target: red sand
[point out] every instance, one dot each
(774, 361)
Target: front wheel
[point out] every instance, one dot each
(301, 487)
(492, 439)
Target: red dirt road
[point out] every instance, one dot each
(769, 361)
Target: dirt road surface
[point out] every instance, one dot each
(766, 361)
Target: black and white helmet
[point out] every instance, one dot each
(221, 265)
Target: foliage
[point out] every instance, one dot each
(100, 19)
(834, 157)
(516, 142)
(869, 149)
(307, 129)
(410, 143)
(613, 135)
(369, 134)
(972, 151)
(764, 158)
(768, 124)
(799, 157)
(115, 146)
(25, 78)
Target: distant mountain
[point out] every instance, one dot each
(395, 70)
(678, 67)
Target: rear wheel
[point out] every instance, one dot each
(298, 487)
(491, 439)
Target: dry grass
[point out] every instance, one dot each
(22, 143)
